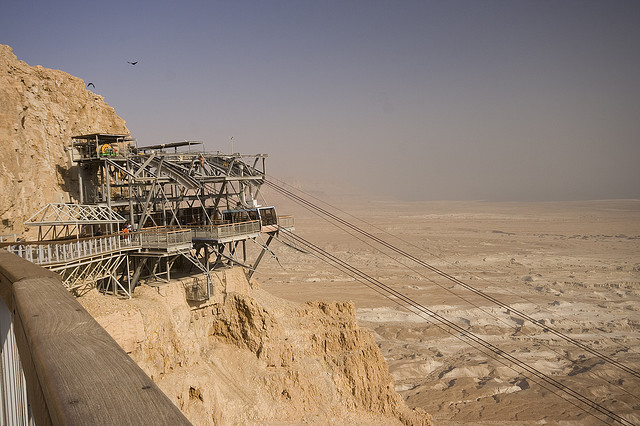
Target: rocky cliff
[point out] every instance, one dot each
(249, 357)
(40, 110)
(242, 357)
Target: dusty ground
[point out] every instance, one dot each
(574, 265)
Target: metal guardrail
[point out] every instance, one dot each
(229, 230)
(158, 238)
(53, 252)
(286, 222)
(164, 238)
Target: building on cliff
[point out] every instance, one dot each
(145, 211)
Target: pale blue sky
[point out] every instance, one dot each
(497, 100)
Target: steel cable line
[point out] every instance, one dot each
(454, 329)
(398, 238)
(431, 280)
(558, 353)
(409, 243)
(406, 266)
(455, 280)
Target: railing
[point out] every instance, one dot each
(165, 238)
(229, 230)
(52, 252)
(75, 373)
(161, 237)
(285, 222)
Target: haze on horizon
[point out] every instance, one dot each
(418, 100)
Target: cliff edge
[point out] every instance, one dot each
(246, 356)
(40, 110)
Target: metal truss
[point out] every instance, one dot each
(80, 277)
(72, 214)
(169, 188)
(64, 219)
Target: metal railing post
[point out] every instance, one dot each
(13, 390)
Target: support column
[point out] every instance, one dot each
(136, 274)
(128, 277)
(108, 190)
(264, 249)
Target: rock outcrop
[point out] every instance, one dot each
(40, 110)
(249, 357)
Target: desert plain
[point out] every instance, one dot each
(573, 266)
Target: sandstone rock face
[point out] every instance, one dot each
(251, 358)
(40, 110)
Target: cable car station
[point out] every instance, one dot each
(143, 212)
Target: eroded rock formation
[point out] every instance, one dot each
(40, 110)
(249, 357)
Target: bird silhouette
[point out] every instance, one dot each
(132, 63)
(91, 85)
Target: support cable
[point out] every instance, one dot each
(449, 290)
(456, 330)
(480, 308)
(454, 265)
(453, 279)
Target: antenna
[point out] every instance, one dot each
(231, 140)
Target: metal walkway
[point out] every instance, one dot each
(81, 262)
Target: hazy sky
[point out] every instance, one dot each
(496, 100)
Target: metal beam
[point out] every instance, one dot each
(264, 249)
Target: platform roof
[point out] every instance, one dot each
(103, 137)
(170, 145)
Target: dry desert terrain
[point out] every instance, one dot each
(573, 266)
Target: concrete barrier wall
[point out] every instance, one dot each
(75, 372)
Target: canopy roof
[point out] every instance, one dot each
(170, 145)
(103, 137)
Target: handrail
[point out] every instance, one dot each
(75, 372)
(286, 221)
(60, 241)
(165, 238)
(226, 230)
(157, 237)
(59, 251)
(51, 252)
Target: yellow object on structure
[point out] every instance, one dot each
(108, 151)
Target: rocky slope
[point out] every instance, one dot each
(40, 110)
(246, 356)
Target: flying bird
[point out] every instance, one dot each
(91, 85)
(132, 63)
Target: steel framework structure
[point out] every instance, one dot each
(176, 204)
(57, 220)
(173, 195)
